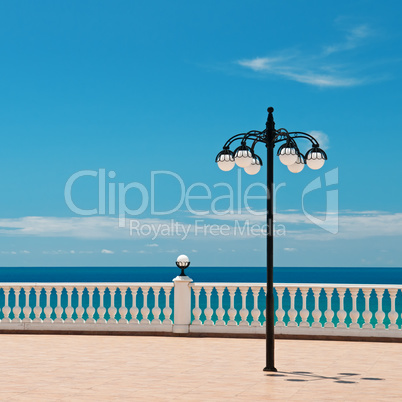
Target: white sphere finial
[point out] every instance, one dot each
(182, 259)
(182, 262)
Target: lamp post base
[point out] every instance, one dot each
(273, 369)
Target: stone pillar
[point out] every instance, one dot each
(182, 304)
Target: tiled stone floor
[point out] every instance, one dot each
(76, 368)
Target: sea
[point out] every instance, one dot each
(333, 275)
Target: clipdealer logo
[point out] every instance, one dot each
(109, 191)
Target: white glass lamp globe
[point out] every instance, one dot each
(182, 260)
(288, 155)
(315, 159)
(226, 162)
(243, 157)
(254, 168)
(298, 166)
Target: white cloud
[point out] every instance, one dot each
(25, 252)
(352, 224)
(55, 252)
(353, 39)
(96, 227)
(314, 69)
(290, 249)
(263, 63)
(322, 138)
(296, 69)
(106, 251)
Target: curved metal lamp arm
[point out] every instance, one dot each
(300, 134)
(281, 136)
(243, 137)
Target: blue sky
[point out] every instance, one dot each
(136, 88)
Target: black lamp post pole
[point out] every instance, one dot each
(314, 158)
(270, 313)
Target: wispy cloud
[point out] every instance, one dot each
(295, 68)
(354, 38)
(57, 252)
(97, 227)
(321, 137)
(317, 69)
(106, 251)
(352, 225)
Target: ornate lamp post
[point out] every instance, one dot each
(289, 154)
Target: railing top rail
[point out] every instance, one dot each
(85, 284)
(298, 285)
(197, 284)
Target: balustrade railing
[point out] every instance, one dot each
(104, 306)
(299, 309)
(305, 309)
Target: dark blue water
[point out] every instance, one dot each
(385, 276)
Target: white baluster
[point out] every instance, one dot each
(123, 309)
(48, 309)
(265, 310)
(6, 308)
(304, 313)
(167, 311)
(316, 312)
(134, 309)
(354, 314)
(243, 311)
(80, 310)
(112, 309)
(380, 315)
(393, 315)
(69, 308)
(232, 312)
(197, 311)
(255, 312)
(292, 313)
(101, 308)
(58, 310)
(145, 309)
(156, 311)
(17, 308)
(27, 309)
(341, 314)
(280, 312)
(38, 308)
(367, 314)
(90, 309)
(208, 311)
(220, 311)
(329, 313)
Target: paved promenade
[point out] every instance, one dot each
(63, 367)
